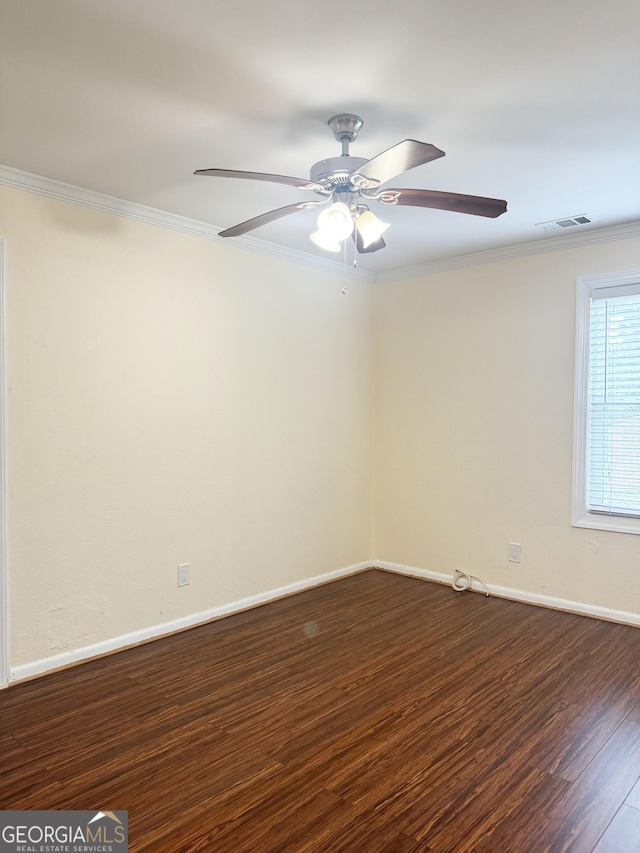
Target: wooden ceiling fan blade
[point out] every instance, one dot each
(456, 202)
(300, 183)
(265, 218)
(398, 159)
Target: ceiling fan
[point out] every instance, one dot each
(346, 184)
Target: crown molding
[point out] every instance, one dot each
(11, 177)
(132, 210)
(295, 256)
(517, 250)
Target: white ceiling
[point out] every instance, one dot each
(536, 103)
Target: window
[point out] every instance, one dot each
(606, 466)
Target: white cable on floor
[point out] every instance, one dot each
(462, 581)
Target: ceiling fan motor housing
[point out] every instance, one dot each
(336, 170)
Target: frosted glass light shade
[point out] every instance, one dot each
(336, 222)
(370, 228)
(325, 242)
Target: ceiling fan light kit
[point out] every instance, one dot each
(347, 182)
(342, 220)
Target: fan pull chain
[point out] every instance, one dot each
(344, 266)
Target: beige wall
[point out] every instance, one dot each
(474, 419)
(172, 399)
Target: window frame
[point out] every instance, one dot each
(588, 286)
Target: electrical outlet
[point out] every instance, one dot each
(514, 552)
(184, 571)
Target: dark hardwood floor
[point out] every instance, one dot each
(377, 713)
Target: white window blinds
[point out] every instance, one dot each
(613, 410)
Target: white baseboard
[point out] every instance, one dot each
(425, 574)
(40, 667)
(154, 632)
(623, 617)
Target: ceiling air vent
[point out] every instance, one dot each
(568, 222)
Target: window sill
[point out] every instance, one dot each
(614, 523)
